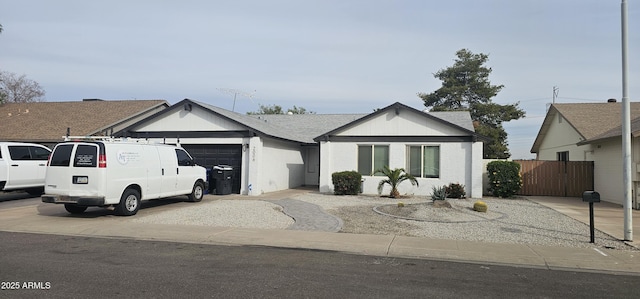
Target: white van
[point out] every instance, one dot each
(22, 166)
(119, 173)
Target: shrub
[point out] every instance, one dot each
(439, 193)
(455, 190)
(504, 178)
(346, 182)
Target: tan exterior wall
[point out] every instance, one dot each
(562, 137)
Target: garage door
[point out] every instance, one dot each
(209, 155)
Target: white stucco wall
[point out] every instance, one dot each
(458, 164)
(279, 166)
(408, 123)
(607, 170)
(194, 120)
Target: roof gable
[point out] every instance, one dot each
(48, 121)
(414, 122)
(589, 120)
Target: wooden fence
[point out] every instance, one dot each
(555, 178)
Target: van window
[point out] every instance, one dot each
(183, 158)
(19, 153)
(86, 156)
(61, 155)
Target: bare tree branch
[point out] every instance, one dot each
(19, 89)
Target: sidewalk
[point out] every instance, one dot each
(51, 219)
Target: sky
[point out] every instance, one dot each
(326, 56)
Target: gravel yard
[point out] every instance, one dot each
(507, 221)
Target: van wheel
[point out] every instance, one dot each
(74, 209)
(197, 193)
(129, 203)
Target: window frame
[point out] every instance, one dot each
(422, 167)
(372, 163)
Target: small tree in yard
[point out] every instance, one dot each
(394, 178)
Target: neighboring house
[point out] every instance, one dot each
(592, 132)
(48, 122)
(277, 152)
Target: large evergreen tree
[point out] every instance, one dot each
(466, 86)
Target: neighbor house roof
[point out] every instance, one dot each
(593, 121)
(48, 121)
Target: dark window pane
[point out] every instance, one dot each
(19, 153)
(61, 155)
(432, 161)
(364, 160)
(38, 153)
(415, 161)
(86, 156)
(381, 157)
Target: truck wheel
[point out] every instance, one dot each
(197, 193)
(74, 209)
(129, 203)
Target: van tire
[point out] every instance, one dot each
(197, 193)
(129, 203)
(74, 209)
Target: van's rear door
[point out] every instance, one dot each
(75, 170)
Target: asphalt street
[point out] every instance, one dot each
(53, 266)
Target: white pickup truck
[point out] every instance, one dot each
(23, 166)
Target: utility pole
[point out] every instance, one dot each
(626, 132)
(555, 94)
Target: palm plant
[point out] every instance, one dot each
(394, 178)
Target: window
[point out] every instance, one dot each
(61, 155)
(423, 161)
(183, 158)
(372, 158)
(563, 156)
(38, 153)
(22, 152)
(86, 156)
(19, 153)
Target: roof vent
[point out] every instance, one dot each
(611, 100)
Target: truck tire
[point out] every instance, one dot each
(74, 209)
(129, 203)
(197, 193)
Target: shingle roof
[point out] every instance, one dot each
(305, 127)
(48, 121)
(593, 121)
(297, 127)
